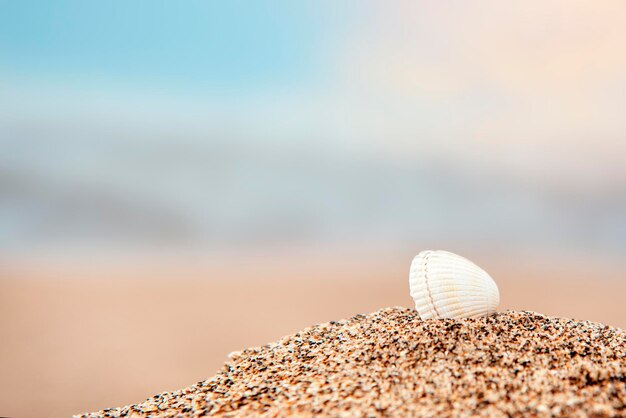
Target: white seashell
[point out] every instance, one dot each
(445, 285)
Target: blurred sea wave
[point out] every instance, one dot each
(66, 186)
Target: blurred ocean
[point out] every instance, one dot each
(81, 184)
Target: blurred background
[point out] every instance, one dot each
(179, 180)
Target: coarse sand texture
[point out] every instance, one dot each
(392, 363)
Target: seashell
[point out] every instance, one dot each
(445, 285)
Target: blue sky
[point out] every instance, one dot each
(407, 78)
(191, 45)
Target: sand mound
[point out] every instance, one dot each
(391, 363)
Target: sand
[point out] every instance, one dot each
(391, 363)
(109, 334)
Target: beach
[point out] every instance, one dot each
(80, 338)
(392, 363)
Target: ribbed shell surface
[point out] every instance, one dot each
(445, 285)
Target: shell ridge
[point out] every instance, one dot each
(430, 296)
